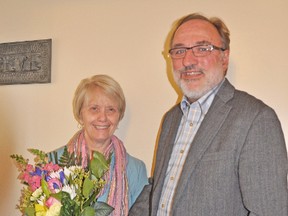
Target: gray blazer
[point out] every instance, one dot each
(236, 166)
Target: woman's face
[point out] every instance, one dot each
(99, 117)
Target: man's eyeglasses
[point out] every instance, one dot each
(198, 51)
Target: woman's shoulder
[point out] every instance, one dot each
(137, 177)
(55, 154)
(136, 170)
(134, 162)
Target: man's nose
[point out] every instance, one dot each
(189, 58)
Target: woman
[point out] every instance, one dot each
(98, 106)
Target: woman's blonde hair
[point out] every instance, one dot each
(104, 82)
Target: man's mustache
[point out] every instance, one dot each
(188, 68)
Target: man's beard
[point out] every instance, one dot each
(196, 93)
(193, 95)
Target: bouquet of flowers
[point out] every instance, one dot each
(62, 188)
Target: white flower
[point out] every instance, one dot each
(67, 171)
(71, 190)
(72, 171)
(55, 174)
(73, 168)
(41, 200)
(36, 194)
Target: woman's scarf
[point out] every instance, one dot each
(117, 176)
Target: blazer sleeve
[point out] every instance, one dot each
(141, 205)
(263, 167)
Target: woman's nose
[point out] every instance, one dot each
(102, 115)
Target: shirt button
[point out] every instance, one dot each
(162, 205)
(191, 124)
(172, 178)
(181, 151)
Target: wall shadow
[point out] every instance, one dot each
(7, 147)
(170, 77)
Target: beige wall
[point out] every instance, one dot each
(125, 39)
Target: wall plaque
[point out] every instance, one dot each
(25, 62)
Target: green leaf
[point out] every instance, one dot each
(69, 207)
(41, 156)
(45, 188)
(91, 199)
(19, 159)
(37, 152)
(66, 158)
(29, 211)
(99, 165)
(87, 187)
(58, 195)
(88, 211)
(102, 209)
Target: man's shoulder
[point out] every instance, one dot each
(231, 95)
(174, 110)
(243, 99)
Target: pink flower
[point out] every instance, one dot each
(54, 184)
(51, 167)
(51, 201)
(34, 182)
(29, 168)
(25, 174)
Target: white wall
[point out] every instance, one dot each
(125, 39)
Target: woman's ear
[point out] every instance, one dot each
(81, 122)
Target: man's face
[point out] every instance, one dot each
(197, 75)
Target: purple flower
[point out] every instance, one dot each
(38, 172)
(54, 184)
(62, 177)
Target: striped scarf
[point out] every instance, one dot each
(118, 190)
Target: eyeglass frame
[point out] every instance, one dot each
(210, 49)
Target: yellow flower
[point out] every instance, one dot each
(40, 210)
(54, 210)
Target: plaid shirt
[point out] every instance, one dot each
(193, 115)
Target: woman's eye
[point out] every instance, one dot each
(111, 110)
(94, 108)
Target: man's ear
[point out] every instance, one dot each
(225, 59)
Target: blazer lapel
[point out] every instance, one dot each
(167, 147)
(212, 122)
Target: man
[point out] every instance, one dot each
(221, 152)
